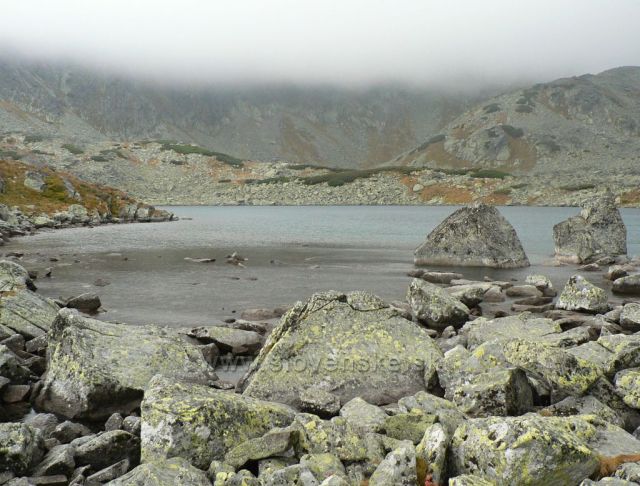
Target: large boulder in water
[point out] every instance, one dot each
(350, 345)
(596, 232)
(474, 236)
(97, 368)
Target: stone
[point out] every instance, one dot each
(523, 291)
(470, 295)
(109, 473)
(27, 313)
(431, 455)
(114, 422)
(21, 447)
(587, 405)
(630, 317)
(263, 314)
(108, 448)
(132, 424)
(227, 340)
(96, 368)
(319, 402)
(294, 475)
(398, 468)
(59, 460)
(323, 466)
(200, 423)
(363, 415)
(469, 480)
(541, 282)
(34, 181)
(334, 481)
(527, 450)
(522, 326)
(319, 343)
(13, 275)
(439, 277)
(627, 285)
(11, 367)
(15, 393)
(87, 302)
(335, 436)
(476, 236)
(445, 411)
(596, 232)
(68, 431)
(494, 294)
(276, 442)
(581, 295)
(45, 422)
(408, 425)
(434, 306)
(174, 471)
(627, 384)
(615, 272)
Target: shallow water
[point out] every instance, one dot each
(292, 252)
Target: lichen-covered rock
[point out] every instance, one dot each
(295, 475)
(398, 468)
(363, 415)
(587, 405)
(27, 313)
(431, 455)
(581, 295)
(434, 306)
(174, 471)
(527, 450)
(553, 370)
(228, 340)
(59, 460)
(522, 326)
(408, 425)
(349, 345)
(470, 480)
(627, 285)
(13, 275)
(596, 232)
(200, 423)
(323, 466)
(497, 392)
(624, 349)
(97, 368)
(20, 447)
(276, 442)
(319, 402)
(476, 236)
(444, 410)
(10, 366)
(630, 317)
(108, 448)
(628, 386)
(335, 436)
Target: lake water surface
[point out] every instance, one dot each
(292, 251)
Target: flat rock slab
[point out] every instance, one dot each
(174, 471)
(347, 344)
(97, 368)
(476, 236)
(26, 312)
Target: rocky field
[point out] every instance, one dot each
(460, 382)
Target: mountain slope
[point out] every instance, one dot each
(321, 125)
(583, 123)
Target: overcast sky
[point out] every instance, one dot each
(329, 41)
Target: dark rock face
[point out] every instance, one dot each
(475, 236)
(596, 232)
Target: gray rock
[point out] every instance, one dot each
(295, 475)
(628, 386)
(88, 302)
(59, 460)
(319, 343)
(630, 317)
(114, 422)
(476, 236)
(627, 285)
(276, 442)
(434, 306)
(525, 450)
(319, 402)
(431, 455)
(363, 415)
(174, 471)
(132, 424)
(68, 431)
(10, 366)
(109, 473)
(27, 313)
(587, 405)
(581, 295)
(35, 181)
(21, 447)
(439, 277)
(97, 368)
(523, 291)
(598, 231)
(398, 468)
(13, 275)
(522, 326)
(323, 466)
(108, 448)
(445, 411)
(45, 422)
(200, 423)
(227, 340)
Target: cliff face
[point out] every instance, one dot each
(323, 125)
(585, 123)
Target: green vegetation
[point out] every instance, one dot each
(99, 158)
(492, 108)
(309, 166)
(186, 149)
(432, 140)
(33, 138)
(273, 180)
(55, 189)
(489, 174)
(10, 154)
(343, 177)
(579, 186)
(74, 149)
(520, 185)
(503, 190)
(113, 151)
(454, 171)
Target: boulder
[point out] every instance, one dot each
(527, 450)
(11, 367)
(20, 447)
(276, 442)
(13, 275)
(446, 412)
(440, 277)
(87, 302)
(347, 344)
(363, 415)
(228, 340)
(522, 326)
(200, 423)
(434, 306)
(319, 402)
(627, 285)
(34, 181)
(476, 236)
(398, 468)
(108, 448)
(581, 295)
(431, 455)
(323, 466)
(26, 312)
(97, 368)
(630, 317)
(596, 232)
(628, 386)
(174, 471)
(587, 405)
(336, 436)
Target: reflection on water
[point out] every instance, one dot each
(292, 252)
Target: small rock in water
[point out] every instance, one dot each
(101, 282)
(87, 302)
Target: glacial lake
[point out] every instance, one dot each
(292, 252)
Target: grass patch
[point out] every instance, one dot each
(512, 131)
(503, 190)
(99, 158)
(492, 108)
(273, 180)
(10, 154)
(336, 179)
(186, 149)
(489, 174)
(519, 186)
(33, 138)
(74, 149)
